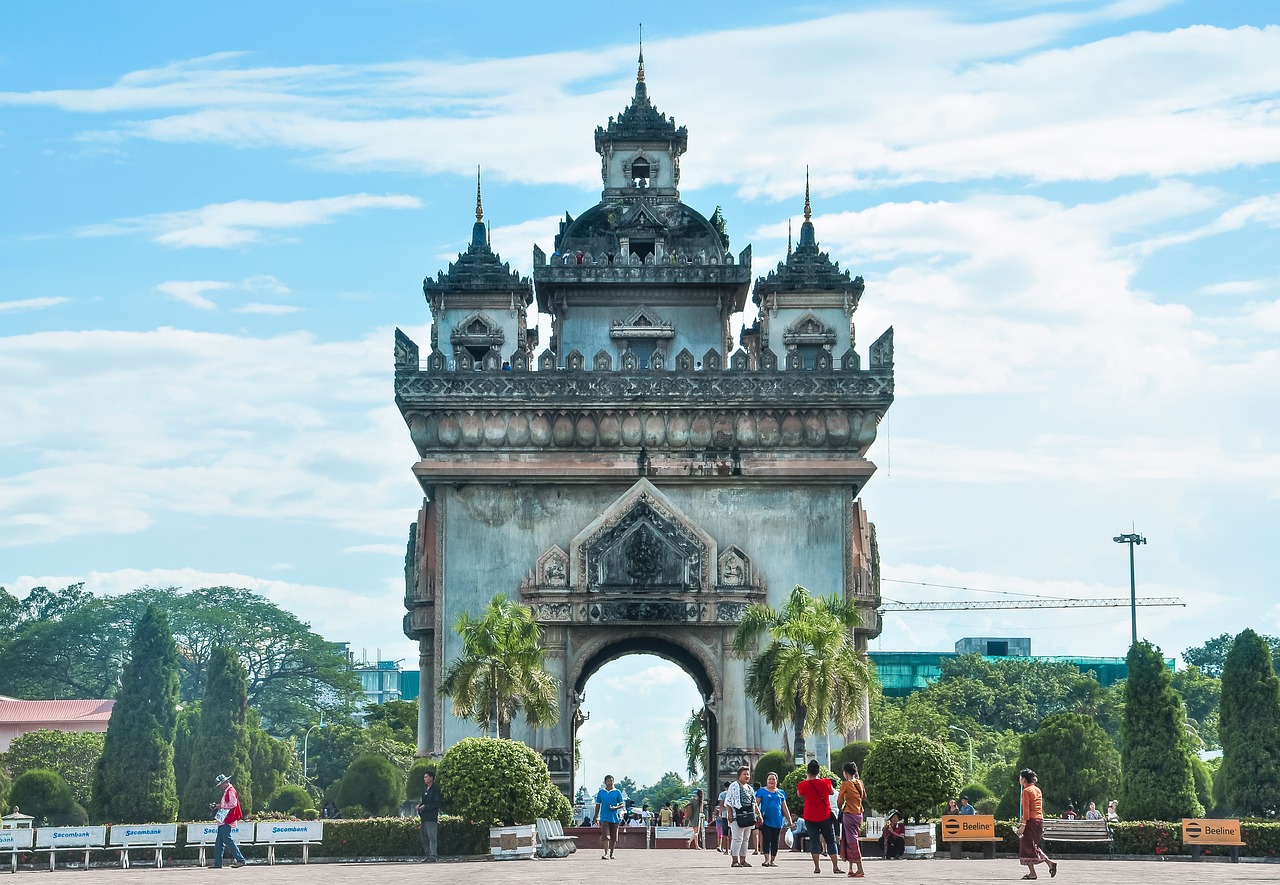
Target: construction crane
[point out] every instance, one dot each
(895, 606)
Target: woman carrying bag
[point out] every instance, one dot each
(741, 803)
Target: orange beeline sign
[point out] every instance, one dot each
(968, 827)
(1200, 831)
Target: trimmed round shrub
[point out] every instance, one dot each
(855, 752)
(373, 784)
(352, 812)
(792, 780)
(986, 805)
(291, 799)
(775, 761)
(559, 808)
(413, 785)
(975, 791)
(491, 779)
(45, 795)
(911, 773)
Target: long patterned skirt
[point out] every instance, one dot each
(1029, 850)
(850, 848)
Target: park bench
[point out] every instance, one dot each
(155, 837)
(55, 839)
(552, 842)
(1199, 833)
(958, 829)
(202, 836)
(16, 841)
(1080, 830)
(289, 832)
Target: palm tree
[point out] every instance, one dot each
(810, 670)
(499, 672)
(695, 745)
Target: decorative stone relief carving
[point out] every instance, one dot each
(881, 356)
(735, 568)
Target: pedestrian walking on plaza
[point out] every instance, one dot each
(722, 823)
(741, 805)
(852, 795)
(227, 813)
(1031, 829)
(694, 815)
(819, 822)
(609, 808)
(429, 815)
(774, 812)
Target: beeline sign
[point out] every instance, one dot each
(968, 827)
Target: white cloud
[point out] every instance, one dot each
(243, 222)
(192, 292)
(32, 303)
(268, 309)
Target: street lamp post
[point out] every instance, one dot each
(1132, 539)
(306, 736)
(966, 734)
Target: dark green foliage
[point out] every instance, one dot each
(184, 737)
(910, 773)
(559, 808)
(291, 799)
(1250, 729)
(1156, 780)
(491, 779)
(986, 805)
(372, 783)
(1204, 783)
(399, 837)
(44, 795)
(975, 791)
(271, 762)
(1000, 777)
(134, 781)
(74, 755)
(413, 784)
(792, 780)
(1211, 657)
(6, 783)
(333, 748)
(670, 786)
(855, 752)
(776, 761)
(221, 744)
(1075, 761)
(399, 716)
(1202, 696)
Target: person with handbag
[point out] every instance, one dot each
(741, 804)
(227, 813)
(773, 809)
(816, 792)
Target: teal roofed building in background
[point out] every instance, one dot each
(902, 672)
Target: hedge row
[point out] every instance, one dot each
(399, 837)
(1261, 839)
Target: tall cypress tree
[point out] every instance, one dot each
(221, 740)
(134, 781)
(1250, 729)
(1156, 779)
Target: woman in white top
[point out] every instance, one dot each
(741, 802)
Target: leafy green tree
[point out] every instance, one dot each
(332, 749)
(44, 795)
(1211, 657)
(793, 778)
(776, 761)
(1074, 760)
(372, 783)
(73, 754)
(6, 783)
(221, 744)
(291, 799)
(629, 788)
(668, 788)
(413, 783)
(695, 745)
(913, 774)
(854, 751)
(400, 717)
(809, 671)
(1202, 696)
(1157, 782)
(273, 763)
(134, 781)
(184, 739)
(499, 673)
(491, 779)
(1250, 772)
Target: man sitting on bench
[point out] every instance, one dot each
(893, 837)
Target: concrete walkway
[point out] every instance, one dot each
(638, 867)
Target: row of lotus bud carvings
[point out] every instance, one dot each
(833, 428)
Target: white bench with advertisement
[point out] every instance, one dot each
(289, 832)
(156, 837)
(203, 836)
(15, 842)
(55, 839)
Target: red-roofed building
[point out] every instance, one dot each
(19, 717)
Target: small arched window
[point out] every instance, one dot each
(640, 172)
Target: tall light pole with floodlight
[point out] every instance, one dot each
(966, 734)
(306, 736)
(1132, 539)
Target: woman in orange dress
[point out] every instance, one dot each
(1031, 829)
(849, 801)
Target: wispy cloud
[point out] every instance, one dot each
(243, 222)
(32, 303)
(192, 292)
(268, 309)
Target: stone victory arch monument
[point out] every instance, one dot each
(640, 480)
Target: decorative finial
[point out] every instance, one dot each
(640, 70)
(788, 237)
(808, 210)
(479, 205)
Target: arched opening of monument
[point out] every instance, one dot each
(637, 698)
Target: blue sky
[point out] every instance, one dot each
(214, 217)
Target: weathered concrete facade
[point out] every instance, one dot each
(640, 481)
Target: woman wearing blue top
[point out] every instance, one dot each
(773, 808)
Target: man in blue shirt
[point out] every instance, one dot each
(609, 804)
(966, 807)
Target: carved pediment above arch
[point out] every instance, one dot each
(735, 569)
(643, 543)
(808, 329)
(553, 569)
(477, 330)
(642, 323)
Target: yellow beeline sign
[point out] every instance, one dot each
(1199, 831)
(968, 827)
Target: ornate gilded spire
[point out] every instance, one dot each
(808, 210)
(479, 235)
(479, 205)
(640, 70)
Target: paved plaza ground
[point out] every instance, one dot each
(639, 867)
